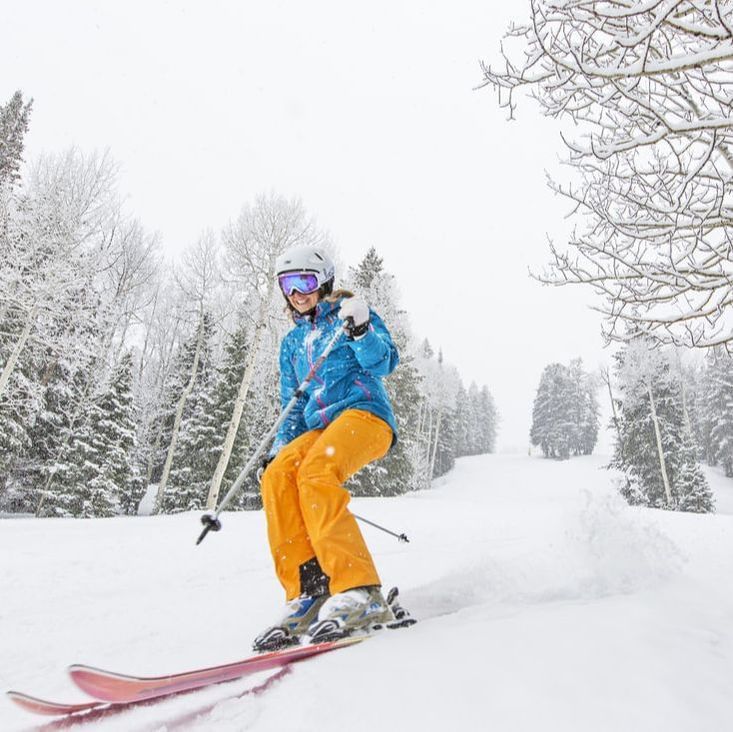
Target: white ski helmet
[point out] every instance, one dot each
(308, 259)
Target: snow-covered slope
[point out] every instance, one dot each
(545, 603)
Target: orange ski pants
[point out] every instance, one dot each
(306, 504)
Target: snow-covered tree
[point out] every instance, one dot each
(396, 473)
(552, 420)
(488, 421)
(198, 280)
(565, 412)
(117, 435)
(646, 88)
(14, 119)
(198, 444)
(717, 425)
(253, 243)
(656, 449)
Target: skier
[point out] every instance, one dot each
(343, 422)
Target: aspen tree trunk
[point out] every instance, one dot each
(617, 425)
(179, 415)
(148, 328)
(615, 416)
(226, 452)
(685, 412)
(428, 443)
(435, 447)
(22, 339)
(161, 379)
(658, 433)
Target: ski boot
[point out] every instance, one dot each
(353, 612)
(300, 614)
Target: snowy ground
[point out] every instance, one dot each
(545, 604)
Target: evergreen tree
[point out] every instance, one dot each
(260, 411)
(117, 439)
(553, 420)
(565, 412)
(14, 119)
(20, 402)
(690, 483)
(52, 460)
(657, 451)
(394, 474)
(488, 418)
(199, 439)
(718, 424)
(461, 419)
(584, 410)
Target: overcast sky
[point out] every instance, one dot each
(367, 112)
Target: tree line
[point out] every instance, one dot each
(123, 376)
(667, 418)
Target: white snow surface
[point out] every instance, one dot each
(545, 603)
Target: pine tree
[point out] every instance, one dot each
(199, 439)
(14, 119)
(719, 410)
(52, 462)
(565, 412)
(659, 455)
(116, 433)
(553, 422)
(690, 484)
(20, 402)
(473, 421)
(584, 410)
(488, 418)
(394, 474)
(461, 419)
(260, 411)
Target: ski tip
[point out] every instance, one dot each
(51, 709)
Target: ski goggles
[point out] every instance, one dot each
(302, 282)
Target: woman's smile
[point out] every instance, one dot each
(303, 303)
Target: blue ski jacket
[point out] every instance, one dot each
(349, 378)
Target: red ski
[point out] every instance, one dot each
(52, 709)
(112, 689)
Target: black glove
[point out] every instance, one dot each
(262, 466)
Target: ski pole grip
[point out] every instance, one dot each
(211, 523)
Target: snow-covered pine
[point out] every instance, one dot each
(657, 454)
(14, 119)
(18, 403)
(116, 439)
(396, 473)
(584, 409)
(488, 421)
(551, 415)
(260, 408)
(565, 412)
(718, 400)
(460, 416)
(197, 442)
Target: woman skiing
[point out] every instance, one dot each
(343, 421)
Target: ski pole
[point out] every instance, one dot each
(211, 520)
(400, 537)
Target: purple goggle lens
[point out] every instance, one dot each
(302, 282)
